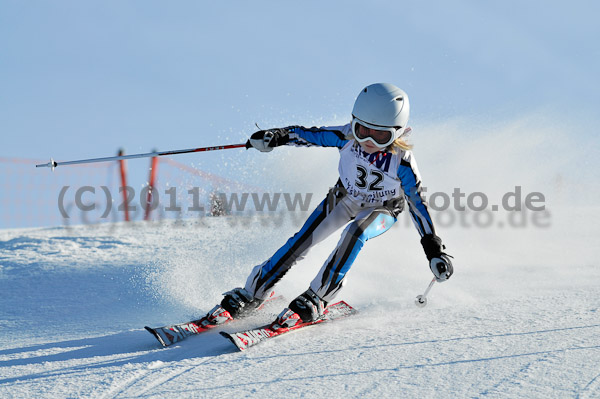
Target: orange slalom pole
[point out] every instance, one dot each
(123, 168)
(151, 186)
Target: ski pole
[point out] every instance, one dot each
(421, 300)
(53, 164)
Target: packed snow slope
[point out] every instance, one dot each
(519, 318)
(75, 301)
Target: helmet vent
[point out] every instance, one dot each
(400, 99)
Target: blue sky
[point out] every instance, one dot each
(84, 77)
(81, 79)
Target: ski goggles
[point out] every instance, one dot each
(381, 136)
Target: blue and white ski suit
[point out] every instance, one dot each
(370, 194)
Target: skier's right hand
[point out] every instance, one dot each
(266, 140)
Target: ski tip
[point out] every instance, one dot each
(233, 340)
(150, 330)
(156, 335)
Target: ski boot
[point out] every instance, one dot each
(239, 302)
(308, 306)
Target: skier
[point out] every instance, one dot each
(378, 174)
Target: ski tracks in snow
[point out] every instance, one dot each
(351, 356)
(542, 361)
(143, 382)
(591, 390)
(165, 365)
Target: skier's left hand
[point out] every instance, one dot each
(441, 266)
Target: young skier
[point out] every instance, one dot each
(378, 174)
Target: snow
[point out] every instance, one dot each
(75, 301)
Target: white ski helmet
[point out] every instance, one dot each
(380, 107)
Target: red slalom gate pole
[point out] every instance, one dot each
(151, 185)
(123, 168)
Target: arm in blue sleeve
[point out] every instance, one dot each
(327, 136)
(411, 185)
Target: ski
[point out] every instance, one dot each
(245, 339)
(168, 335)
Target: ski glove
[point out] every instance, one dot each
(266, 140)
(441, 267)
(439, 261)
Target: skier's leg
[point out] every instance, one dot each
(310, 305)
(330, 215)
(332, 275)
